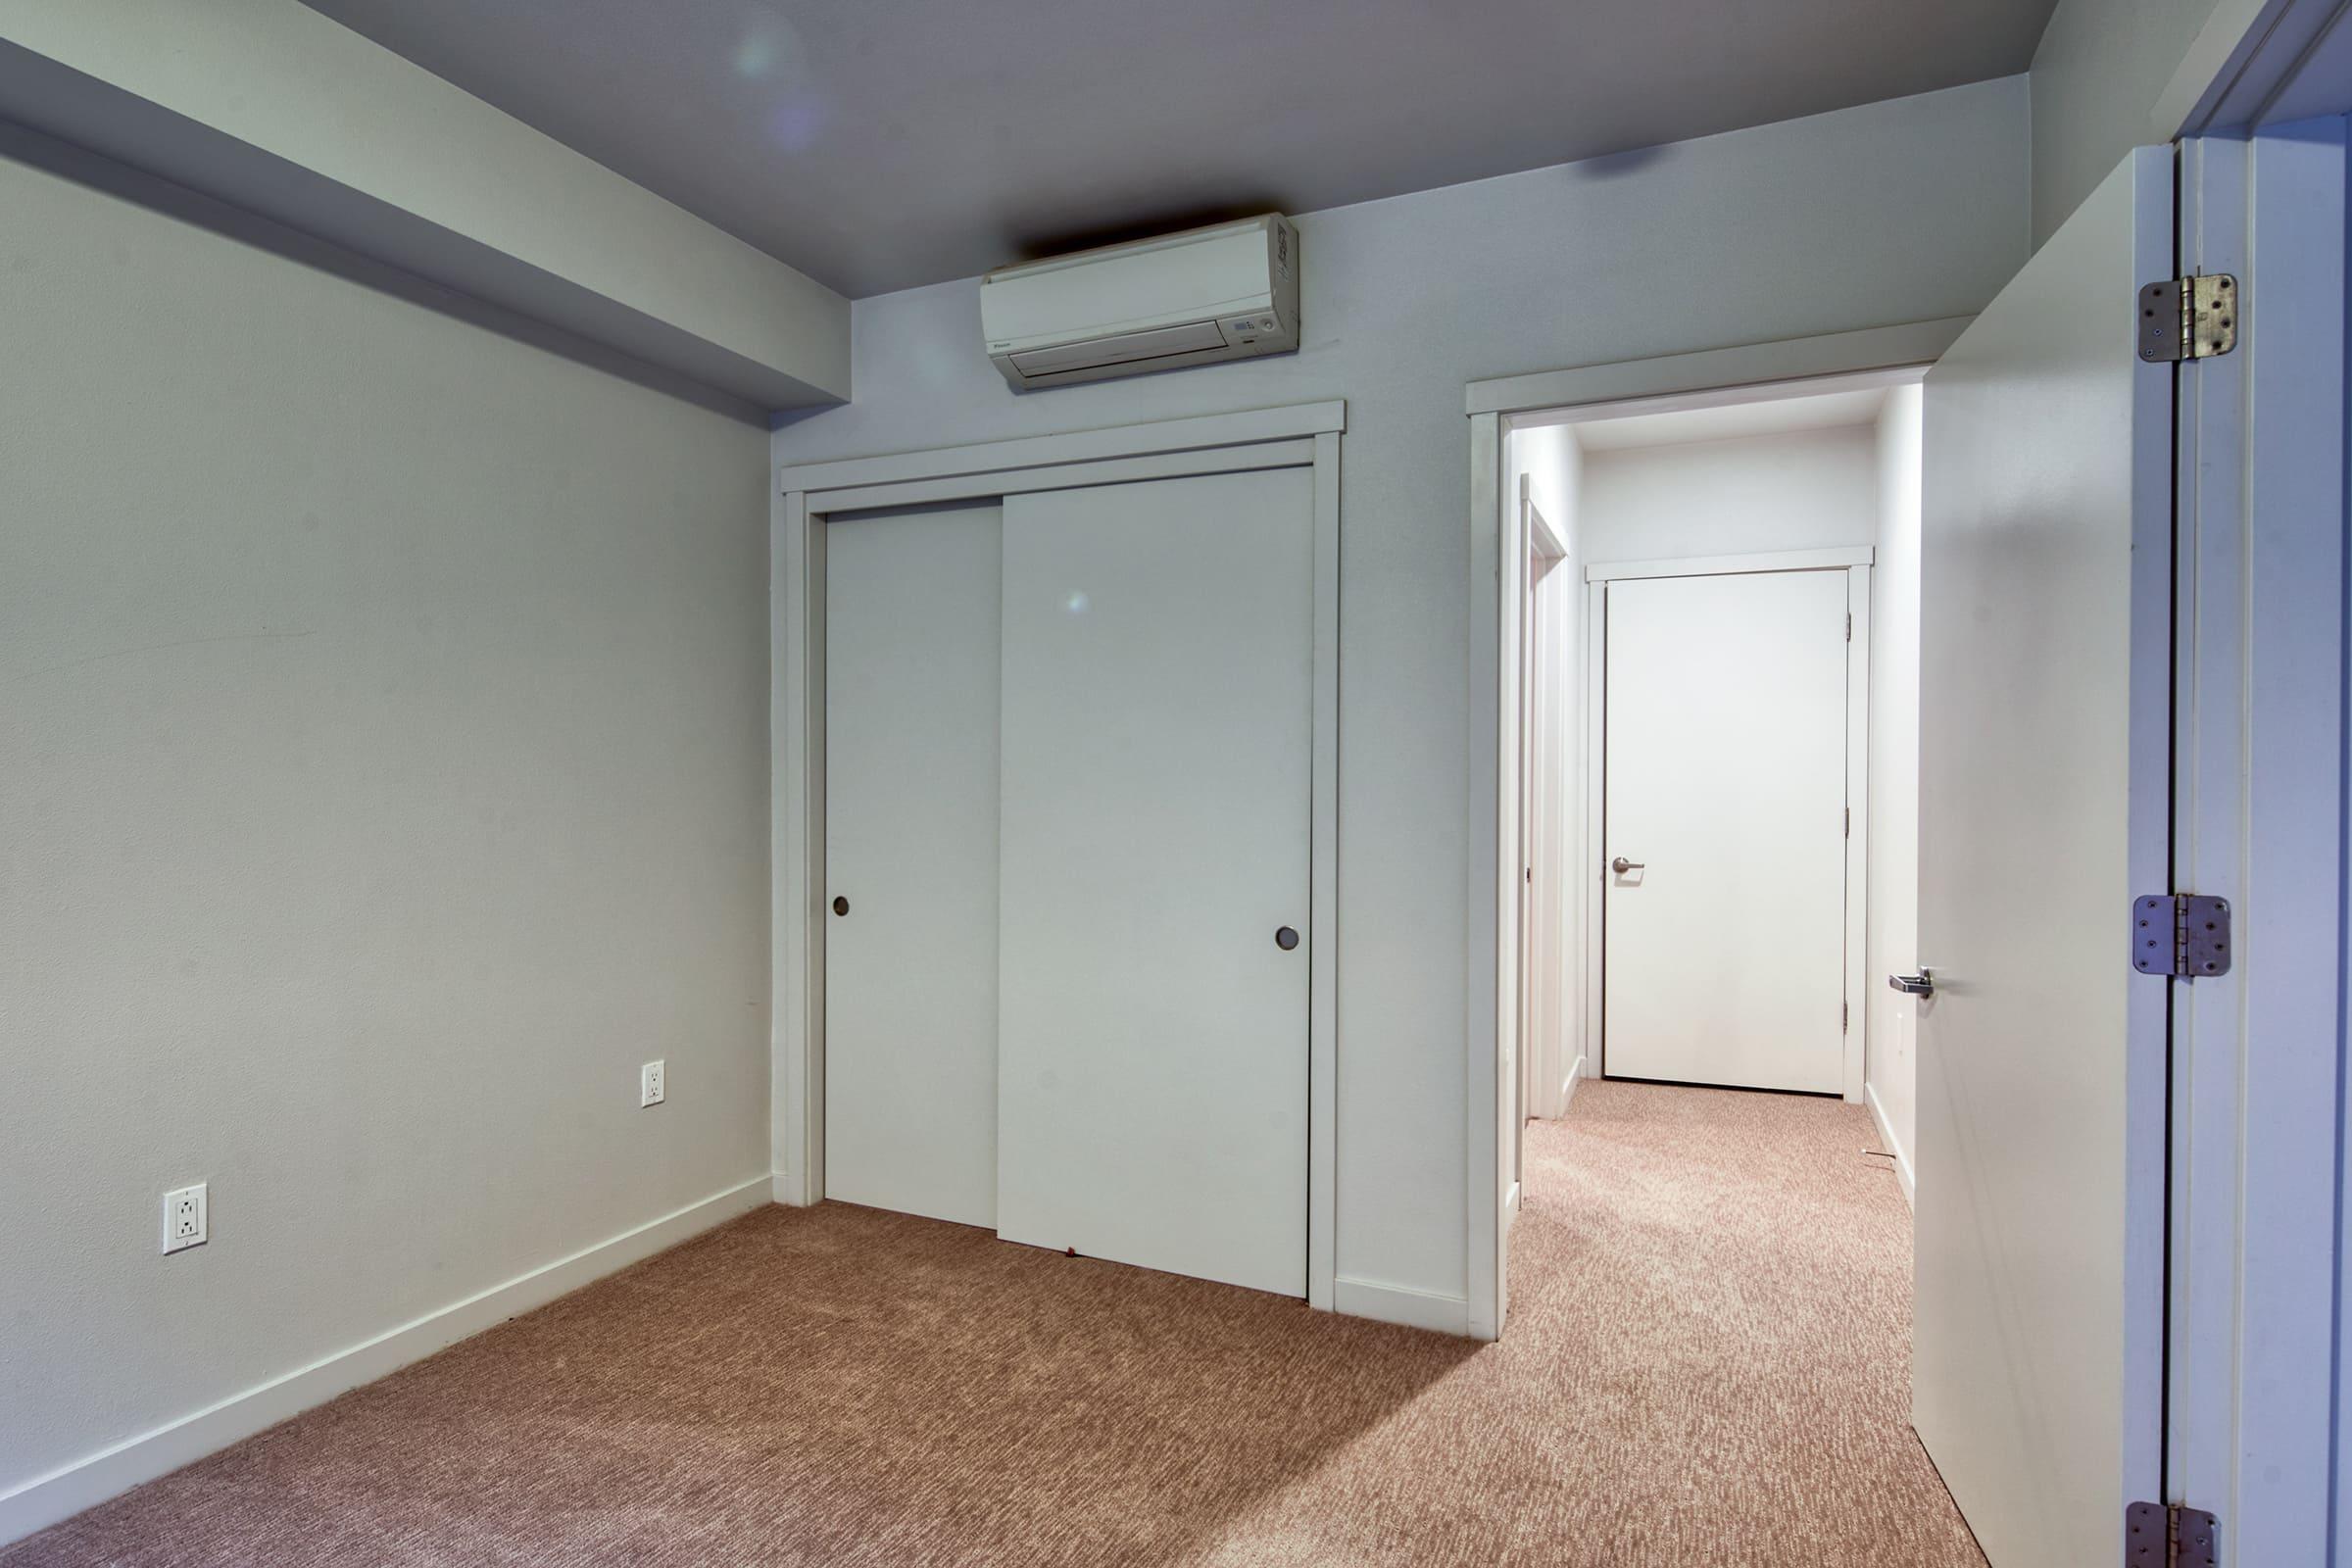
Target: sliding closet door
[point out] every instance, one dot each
(911, 862)
(1156, 814)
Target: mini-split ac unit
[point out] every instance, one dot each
(1226, 292)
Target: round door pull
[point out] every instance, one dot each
(1285, 938)
(841, 906)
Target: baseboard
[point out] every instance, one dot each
(1894, 1144)
(1511, 1207)
(1576, 1075)
(66, 1492)
(1393, 1303)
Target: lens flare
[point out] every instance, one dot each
(756, 56)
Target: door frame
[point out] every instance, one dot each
(2261, 1401)
(1542, 826)
(2260, 1270)
(1750, 372)
(1302, 435)
(2262, 1276)
(1856, 563)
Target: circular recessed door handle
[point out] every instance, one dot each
(1621, 865)
(1285, 938)
(841, 906)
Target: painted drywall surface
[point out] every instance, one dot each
(1895, 211)
(2097, 74)
(278, 76)
(384, 712)
(1797, 490)
(1891, 1018)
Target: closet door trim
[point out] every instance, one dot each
(1305, 435)
(1198, 435)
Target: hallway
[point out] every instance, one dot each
(1706, 1365)
(1722, 1282)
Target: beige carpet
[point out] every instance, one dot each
(1706, 1365)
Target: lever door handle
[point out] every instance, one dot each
(1621, 865)
(1922, 984)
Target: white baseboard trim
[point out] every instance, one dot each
(1393, 1303)
(1894, 1144)
(1576, 1075)
(1510, 1207)
(67, 1491)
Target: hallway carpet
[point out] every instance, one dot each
(1705, 1367)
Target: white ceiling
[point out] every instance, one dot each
(1821, 411)
(877, 144)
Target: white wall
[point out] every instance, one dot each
(273, 105)
(1895, 211)
(1891, 1019)
(2097, 76)
(383, 707)
(1793, 490)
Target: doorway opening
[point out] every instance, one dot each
(1707, 777)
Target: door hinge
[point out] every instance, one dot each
(2168, 1536)
(1845, 1017)
(2188, 318)
(2183, 934)
(1849, 625)
(1849, 822)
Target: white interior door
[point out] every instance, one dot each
(1540, 763)
(2045, 582)
(1523, 1038)
(1724, 779)
(1156, 816)
(911, 862)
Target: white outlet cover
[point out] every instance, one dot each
(186, 1222)
(649, 1084)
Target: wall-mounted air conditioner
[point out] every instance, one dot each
(1226, 292)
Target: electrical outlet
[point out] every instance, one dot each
(184, 1218)
(649, 1084)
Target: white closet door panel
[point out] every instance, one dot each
(1725, 952)
(1158, 702)
(911, 601)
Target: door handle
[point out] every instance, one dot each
(1922, 984)
(1621, 865)
(1285, 938)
